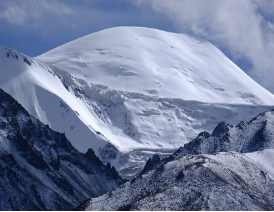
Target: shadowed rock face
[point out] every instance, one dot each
(230, 169)
(151, 164)
(40, 169)
(252, 136)
(256, 135)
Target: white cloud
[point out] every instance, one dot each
(32, 12)
(245, 27)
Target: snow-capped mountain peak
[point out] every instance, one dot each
(82, 91)
(160, 63)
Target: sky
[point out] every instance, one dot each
(243, 30)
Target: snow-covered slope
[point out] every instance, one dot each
(155, 62)
(40, 169)
(41, 92)
(122, 127)
(231, 169)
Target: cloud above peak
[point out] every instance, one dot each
(244, 28)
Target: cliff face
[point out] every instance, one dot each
(40, 169)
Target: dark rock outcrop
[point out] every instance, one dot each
(40, 169)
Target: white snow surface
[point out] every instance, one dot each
(125, 110)
(154, 62)
(44, 96)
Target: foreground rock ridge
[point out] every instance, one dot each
(40, 169)
(230, 169)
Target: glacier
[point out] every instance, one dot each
(131, 92)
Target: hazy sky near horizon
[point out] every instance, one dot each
(243, 30)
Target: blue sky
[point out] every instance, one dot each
(243, 30)
(41, 29)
